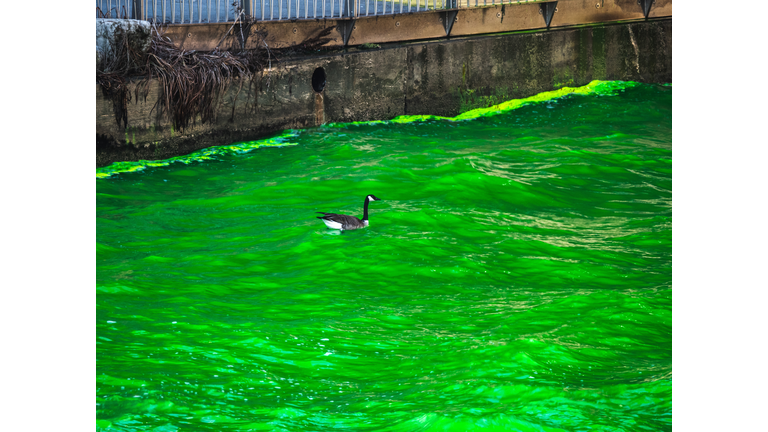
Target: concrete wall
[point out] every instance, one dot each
(442, 77)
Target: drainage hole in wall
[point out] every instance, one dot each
(318, 79)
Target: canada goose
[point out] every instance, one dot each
(344, 222)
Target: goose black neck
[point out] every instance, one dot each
(365, 209)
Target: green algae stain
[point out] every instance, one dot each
(470, 99)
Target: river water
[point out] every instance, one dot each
(516, 275)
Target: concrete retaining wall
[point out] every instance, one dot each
(442, 77)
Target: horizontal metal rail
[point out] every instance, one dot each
(217, 11)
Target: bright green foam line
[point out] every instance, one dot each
(596, 87)
(601, 88)
(200, 155)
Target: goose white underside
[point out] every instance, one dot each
(332, 224)
(337, 225)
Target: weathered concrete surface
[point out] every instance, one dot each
(390, 28)
(443, 77)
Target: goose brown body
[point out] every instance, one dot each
(346, 222)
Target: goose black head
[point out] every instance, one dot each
(372, 198)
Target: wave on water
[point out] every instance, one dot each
(209, 153)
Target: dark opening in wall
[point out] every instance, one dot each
(318, 79)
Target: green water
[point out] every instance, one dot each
(517, 275)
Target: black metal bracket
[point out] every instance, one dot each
(345, 28)
(646, 5)
(448, 17)
(547, 10)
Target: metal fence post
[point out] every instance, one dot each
(247, 7)
(136, 10)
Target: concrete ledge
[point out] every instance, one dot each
(418, 26)
(442, 77)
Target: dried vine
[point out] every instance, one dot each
(191, 82)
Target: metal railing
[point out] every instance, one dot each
(214, 11)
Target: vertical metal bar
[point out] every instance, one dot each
(401, 6)
(280, 10)
(331, 8)
(306, 8)
(191, 14)
(173, 11)
(263, 2)
(289, 9)
(409, 6)
(314, 6)
(366, 7)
